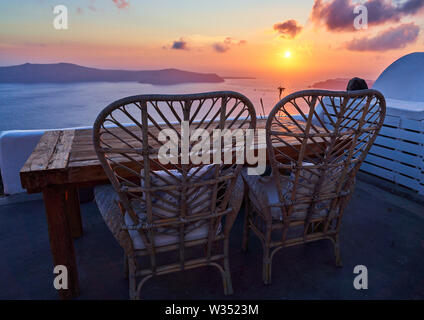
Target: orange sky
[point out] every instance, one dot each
(237, 38)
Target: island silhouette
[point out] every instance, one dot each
(68, 73)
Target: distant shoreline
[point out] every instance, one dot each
(238, 78)
(72, 73)
(336, 84)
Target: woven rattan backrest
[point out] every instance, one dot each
(325, 145)
(174, 198)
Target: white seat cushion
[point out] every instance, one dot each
(264, 193)
(107, 201)
(165, 204)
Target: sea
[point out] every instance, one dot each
(53, 106)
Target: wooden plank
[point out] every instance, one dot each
(381, 172)
(392, 121)
(61, 242)
(407, 182)
(411, 124)
(396, 155)
(60, 156)
(398, 152)
(40, 157)
(50, 156)
(394, 166)
(399, 144)
(391, 176)
(402, 134)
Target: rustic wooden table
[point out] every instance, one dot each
(62, 162)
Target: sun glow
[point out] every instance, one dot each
(287, 54)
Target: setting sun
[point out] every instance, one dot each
(287, 55)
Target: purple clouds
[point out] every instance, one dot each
(338, 15)
(180, 45)
(288, 29)
(220, 47)
(393, 38)
(226, 45)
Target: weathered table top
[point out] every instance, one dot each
(67, 157)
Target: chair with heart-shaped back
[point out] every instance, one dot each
(166, 213)
(326, 136)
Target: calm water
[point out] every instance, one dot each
(49, 106)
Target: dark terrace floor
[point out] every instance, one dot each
(381, 230)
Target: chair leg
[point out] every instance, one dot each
(267, 263)
(126, 271)
(132, 268)
(246, 227)
(336, 242)
(228, 285)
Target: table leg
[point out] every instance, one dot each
(73, 212)
(61, 242)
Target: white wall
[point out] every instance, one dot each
(15, 148)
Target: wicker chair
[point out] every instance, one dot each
(178, 215)
(313, 176)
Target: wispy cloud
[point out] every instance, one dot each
(121, 4)
(338, 15)
(393, 38)
(288, 29)
(220, 47)
(8, 43)
(226, 45)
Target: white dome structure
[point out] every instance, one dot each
(403, 79)
(399, 150)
